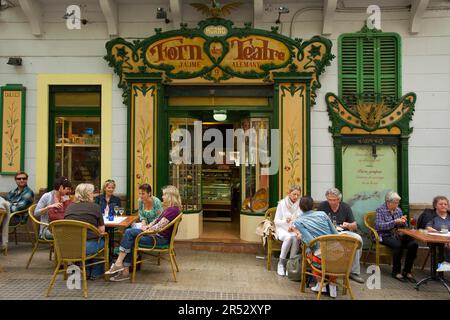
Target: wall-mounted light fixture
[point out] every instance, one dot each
(220, 115)
(281, 10)
(161, 13)
(14, 61)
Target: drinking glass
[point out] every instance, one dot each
(444, 228)
(121, 211)
(116, 210)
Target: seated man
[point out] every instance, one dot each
(19, 199)
(312, 224)
(341, 212)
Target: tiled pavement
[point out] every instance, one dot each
(203, 275)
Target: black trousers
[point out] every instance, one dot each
(397, 246)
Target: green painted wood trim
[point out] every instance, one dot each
(403, 123)
(274, 179)
(163, 140)
(138, 48)
(211, 108)
(403, 175)
(307, 145)
(22, 89)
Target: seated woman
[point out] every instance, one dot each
(150, 207)
(441, 220)
(310, 225)
(172, 204)
(52, 205)
(107, 200)
(389, 218)
(287, 211)
(84, 209)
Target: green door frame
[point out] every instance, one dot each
(165, 112)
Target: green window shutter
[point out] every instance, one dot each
(348, 86)
(369, 66)
(388, 81)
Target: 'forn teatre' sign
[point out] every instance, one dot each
(184, 54)
(246, 54)
(250, 53)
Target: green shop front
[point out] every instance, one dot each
(209, 81)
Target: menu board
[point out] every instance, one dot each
(366, 178)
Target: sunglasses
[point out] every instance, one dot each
(21, 178)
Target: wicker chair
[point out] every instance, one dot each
(19, 219)
(168, 249)
(70, 247)
(380, 249)
(337, 252)
(37, 238)
(272, 243)
(2, 217)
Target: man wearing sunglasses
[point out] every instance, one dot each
(19, 198)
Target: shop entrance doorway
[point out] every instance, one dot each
(219, 175)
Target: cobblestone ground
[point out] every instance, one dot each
(203, 275)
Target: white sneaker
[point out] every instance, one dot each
(281, 271)
(317, 286)
(333, 290)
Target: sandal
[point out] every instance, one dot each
(410, 278)
(399, 277)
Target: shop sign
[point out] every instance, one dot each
(243, 55)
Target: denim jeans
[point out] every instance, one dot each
(92, 246)
(127, 243)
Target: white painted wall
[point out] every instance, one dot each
(425, 58)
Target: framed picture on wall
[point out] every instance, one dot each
(12, 127)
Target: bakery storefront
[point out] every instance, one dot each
(223, 113)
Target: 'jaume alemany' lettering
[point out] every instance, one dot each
(174, 49)
(249, 50)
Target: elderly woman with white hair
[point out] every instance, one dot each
(389, 218)
(288, 210)
(86, 210)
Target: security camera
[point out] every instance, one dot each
(283, 9)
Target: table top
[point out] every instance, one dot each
(424, 236)
(125, 223)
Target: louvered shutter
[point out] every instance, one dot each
(368, 66)
(388, 80)
(349, 69)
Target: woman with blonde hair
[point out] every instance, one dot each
(288, 210)
(84, 209)
(107, 200)
(172, 208)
